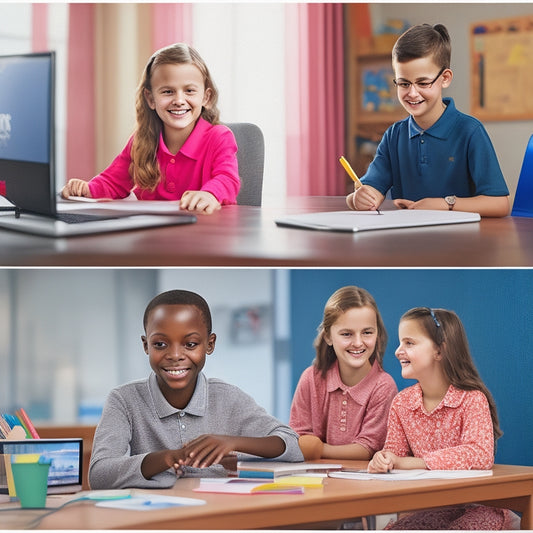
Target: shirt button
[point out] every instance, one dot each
(183, 426)
(344, 402)
(172, 160)
(343, 429)
(182, 413)
(421, 141)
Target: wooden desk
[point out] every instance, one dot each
(510, 487)
(248, 236)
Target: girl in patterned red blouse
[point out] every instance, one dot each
(341, 403)
(447, 421)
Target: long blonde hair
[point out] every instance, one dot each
(144, 167)
(339, 302)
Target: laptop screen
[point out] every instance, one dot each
(27, 91)
(66, 469)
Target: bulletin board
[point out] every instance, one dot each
(502, 69)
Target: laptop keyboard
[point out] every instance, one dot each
(79, 218)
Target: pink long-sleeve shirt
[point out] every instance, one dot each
(207, 162)
(338, 414)
(457, 435)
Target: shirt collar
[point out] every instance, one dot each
(196, 406)
(359, 392)
(194, 145)
(453, 398)
(442, 128)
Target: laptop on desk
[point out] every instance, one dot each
(66, 469)
(27, 159)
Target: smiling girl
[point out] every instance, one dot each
(447, 421)
(341, 403)
(179, 150)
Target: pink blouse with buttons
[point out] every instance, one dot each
(338, 414)
(457, 435)
(207, 162)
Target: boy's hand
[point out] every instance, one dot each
(207, 450)
(199, 201)
(424, 203)
(365, 198)
(76, 187)
(383, 461)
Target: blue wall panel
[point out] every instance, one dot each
(495, 306)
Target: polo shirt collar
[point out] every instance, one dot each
(194, 146)
(360, 392)
(453, 398)
(196, 406)
(442, 128)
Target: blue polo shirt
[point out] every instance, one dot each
(453, 157)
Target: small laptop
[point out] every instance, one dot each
(66, 469)
(27, 159)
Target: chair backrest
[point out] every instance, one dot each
(251, 159)
(523, 200)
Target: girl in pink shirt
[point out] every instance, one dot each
(341, 403)
(179, 150)
(447, 421)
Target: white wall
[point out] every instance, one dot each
(243, 45)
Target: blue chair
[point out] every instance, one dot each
(523, 200)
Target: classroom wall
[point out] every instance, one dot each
(509, 138)
(495, 306)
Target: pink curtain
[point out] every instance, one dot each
(315, 99)
(171, 23)
(39, 21)
(81, 144)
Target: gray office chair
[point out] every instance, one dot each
(251, 159)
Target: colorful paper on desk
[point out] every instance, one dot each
(245, 486)
(407, 475)
(149, 502)
(355, 221)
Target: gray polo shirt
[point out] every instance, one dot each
(137, 420)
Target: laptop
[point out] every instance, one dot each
(66, 469)
(27, 159)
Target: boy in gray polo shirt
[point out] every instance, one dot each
(178, 422)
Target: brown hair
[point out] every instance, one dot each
(144, 167)
(338, 303)
(424, 40)
(446, 330)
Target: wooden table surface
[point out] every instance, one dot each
(248, 236)
(509, 487)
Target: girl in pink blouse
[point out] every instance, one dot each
(341, 403)
(447, 421)
(179, 150)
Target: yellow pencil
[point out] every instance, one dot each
(350, 172)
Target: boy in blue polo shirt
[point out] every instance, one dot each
(438, 157)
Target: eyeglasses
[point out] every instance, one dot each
(405, 85)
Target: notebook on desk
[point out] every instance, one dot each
(354, 221)
(66, 469)
(27, 159)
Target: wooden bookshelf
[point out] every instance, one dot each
(370, 97)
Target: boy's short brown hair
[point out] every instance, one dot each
(424, 40)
